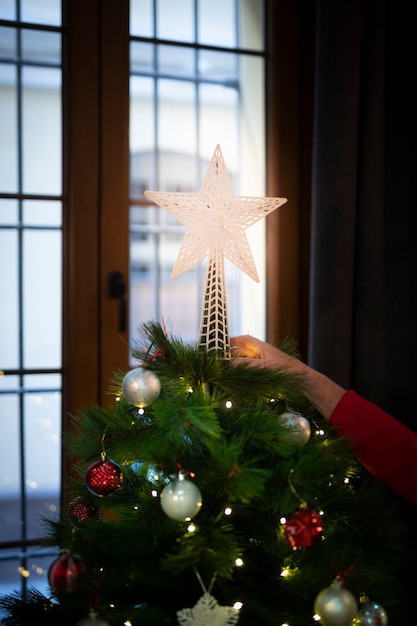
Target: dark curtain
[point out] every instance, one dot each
(363, 312)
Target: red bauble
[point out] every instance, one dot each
(79, 510)
(303, 529)
(65, 572)
(103, 478)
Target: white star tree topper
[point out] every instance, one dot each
(215, 221)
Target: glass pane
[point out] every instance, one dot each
(142, 57)
(9, 461)
(218, 66)
(9, 310)
(9, 212)
(251, 24)
(42, 299)
(217, 23)
(42, 213)
(142, 135)
(176, 61)
(177, 117)
(175, 20)
(219, 116)
(7, 42)
(141, 18)
(8, 129)
(41, 46)
(43, 457)
(46, 12)
(42, 141)
(7, 10)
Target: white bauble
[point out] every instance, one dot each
(297, 428)
(141, 387)
(336, 606)
(181, 499)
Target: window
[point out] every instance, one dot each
(30, 283)
(196, 80)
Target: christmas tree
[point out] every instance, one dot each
(211, 493)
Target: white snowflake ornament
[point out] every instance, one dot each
(207, 612)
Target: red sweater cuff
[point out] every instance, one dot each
(385, 446)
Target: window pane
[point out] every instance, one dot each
(8, 212)
(175, 20)
(251, 24)
(42, 142)
(7, 10)
(9, 460)
(42, 213)
(142, 57)
(42, 299)
(8, 129)
(8, 42)
(45, 12)
(41, 46)
(176, 61)
(217, 23)
(9, 288)
(43, 457)
(219, 116)
(142, 135)
(221, 67)
(141, 18)
(177, 117)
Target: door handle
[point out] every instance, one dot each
(117, 291)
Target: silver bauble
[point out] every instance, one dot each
(297, 428)
(336, 606)
(181, 499)
(141, 387)
(370, 614)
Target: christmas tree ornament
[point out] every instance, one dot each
(92, 620)
(207, 611)
(297, 428)
(103, 477)
(65, 572)
(181, 499)
(141, 387)
(216, 221)
(370, 614)
(335, 605)
(303, 529)
(80, 510)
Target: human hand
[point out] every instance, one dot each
(251, 351)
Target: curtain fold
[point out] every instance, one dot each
(363, 314)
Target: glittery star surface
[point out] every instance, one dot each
(215, 219)
(207, 612)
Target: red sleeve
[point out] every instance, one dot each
(385, 446)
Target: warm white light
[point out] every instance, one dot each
(285, 572)
(192, 528)
(346, 481)
(316, 617)
(141, 411)
(239, 562)
(229, 404)
(154, 493)
(228, 510)
(283, 520)
(127, 623)
(238, 605)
